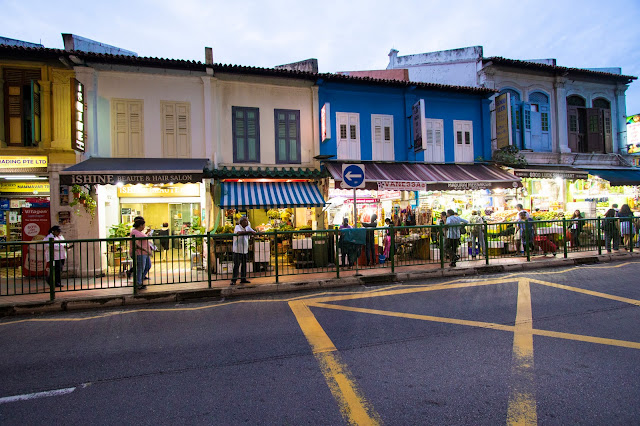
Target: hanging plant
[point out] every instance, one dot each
(84, 199)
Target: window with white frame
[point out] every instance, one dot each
(433, 143)
(348, 135)
(176, 129)
(463, 139)
(382, 137)
(127, 128)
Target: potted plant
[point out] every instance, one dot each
(83, 198)
(196, 244)
(119, 249)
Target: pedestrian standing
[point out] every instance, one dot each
(454, 224)
(147, 265)
(611, 230)
(477, 233)
(626, 225)
(527, 231)
(576, 228)
(59, 254)
(341, 243)
(141, 251)
(370, 241)
(242, 232)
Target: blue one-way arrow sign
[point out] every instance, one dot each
(353, 175)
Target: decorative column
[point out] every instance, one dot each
(560, 126)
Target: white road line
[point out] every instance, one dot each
(27, 396)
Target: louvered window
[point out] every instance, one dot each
(176, 127)
(22, 111)
(287, 125)
(127, 128)
(246, 135)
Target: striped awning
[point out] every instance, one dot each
(255, 195)
(421, 176)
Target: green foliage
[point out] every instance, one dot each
(509, 156)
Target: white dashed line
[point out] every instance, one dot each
(28, 396)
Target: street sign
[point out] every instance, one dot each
(353, 176)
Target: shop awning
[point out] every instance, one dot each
(110, 171)
(252, 195)
(535, 171)
(618, 177)
(420, 176)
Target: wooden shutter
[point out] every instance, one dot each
(354, 136)
(526, 125)
(120, 129)
(35, 114)
(572, 128)
(342, 132)
(135, 129)
(169, 127)
(183, 118)
(387, 138)
(377, 144)
(595, 135)
(13, 122)
(546, 136)
(608, 138)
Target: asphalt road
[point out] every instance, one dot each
(558, 346)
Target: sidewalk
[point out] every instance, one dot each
(172, 293)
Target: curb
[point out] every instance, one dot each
(30, 308)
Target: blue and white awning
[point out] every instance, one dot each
(259, 195)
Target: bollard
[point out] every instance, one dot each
(275, 250)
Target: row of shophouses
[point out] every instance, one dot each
(195, 143)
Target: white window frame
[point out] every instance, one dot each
(385, 150)
(434, 150)
(464, 154)
(127, 130)
(348, 148)
(176, 129)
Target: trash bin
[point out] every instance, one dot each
(320, 250)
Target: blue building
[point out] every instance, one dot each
(416, 140)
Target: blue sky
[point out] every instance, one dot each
(343, 35)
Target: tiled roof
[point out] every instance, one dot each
(514, 63)
(19, 52)
(267, 172)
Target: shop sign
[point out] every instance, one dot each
(503, 121)
(633, 134)
(400, 185)
(78, 135)
(21, 162)
(539, 174)
(325, 121)
(112, 179)
(419, 125)
(31, 187)
(189, 190)
(35, 226)
(471, 185)
(363, 200)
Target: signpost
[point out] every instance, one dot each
(353, 177)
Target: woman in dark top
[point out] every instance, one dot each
(576, 228)
(611, 231)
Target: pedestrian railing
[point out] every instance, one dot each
(25, 267)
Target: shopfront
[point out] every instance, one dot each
(548, 189)
(163, 191)
(414, 193)
(24, 183)
(606, 187)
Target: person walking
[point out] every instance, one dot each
(370, 242)
(141, 250)
(477, 233)
(147, 265)
(454, 223)
(576, 229)
(611, 230)
(242, 232)
(59, 255)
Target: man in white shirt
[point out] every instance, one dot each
(453, 235)
(240, 250)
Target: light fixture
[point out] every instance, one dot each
(23, 177)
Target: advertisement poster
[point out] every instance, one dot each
(35, 225)
(503, 121)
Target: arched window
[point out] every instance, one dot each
(576, 100)
(515, 96)
(601, 103)
(538, 98)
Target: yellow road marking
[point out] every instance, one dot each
(354, 407)
(589, 292)
(522, 402)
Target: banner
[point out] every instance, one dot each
(35, 225)
(503, 121)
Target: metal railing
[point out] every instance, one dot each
(109, 263)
